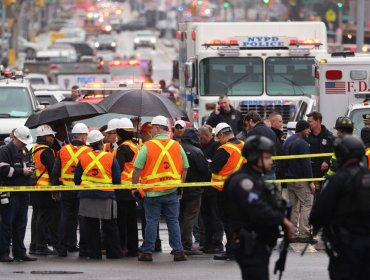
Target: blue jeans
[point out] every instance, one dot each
(13, 224)
(168, 205)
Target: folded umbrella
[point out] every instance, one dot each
(140, 103)
(66, 111)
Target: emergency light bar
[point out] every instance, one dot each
(306, 42)
(121, 84)
(210, 43)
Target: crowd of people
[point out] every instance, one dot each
(231, 152)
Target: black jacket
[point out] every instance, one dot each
(124, 154)
(233, 118)
(252, 205)
(12, 161)
(322, 143)
(337, 190)
(262, 130)
(198, 166)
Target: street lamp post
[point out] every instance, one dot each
(360, 25)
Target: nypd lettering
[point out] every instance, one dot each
(263, 41)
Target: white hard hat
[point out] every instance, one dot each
(44, 129)
(113, 124)
(23, 134)
(94, 136)
(160, 120)
(80, 128)
(125, 123)
(221, 126)
(181, 123)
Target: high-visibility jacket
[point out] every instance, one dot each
(69, 156)
(163, 164)
(367, 153)
(97, 168)
(128, 169)
(233, 164)
(108, 147)
(41, 172)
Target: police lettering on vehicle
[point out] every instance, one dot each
(263, 41)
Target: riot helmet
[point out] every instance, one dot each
(254, 146)
(348, 147)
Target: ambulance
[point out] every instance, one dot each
(343, 87)
(260, 66)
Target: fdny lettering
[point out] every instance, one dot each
(263, 41)
(360, 86)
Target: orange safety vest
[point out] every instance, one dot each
(41, 172)
(69, 156)
(97, 168)
(128, 169)
(233, 163)
(163, 164)
(367, 153)
(107, 147)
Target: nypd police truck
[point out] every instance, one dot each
(261, 66)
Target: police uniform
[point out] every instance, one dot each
(343, 211)
(254, 217)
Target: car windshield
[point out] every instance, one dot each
(144, 34)
(15, 102)
(290, 76)
(36, 81)
(46, 99)
(357, 116)
(126, 71)
(234, 76)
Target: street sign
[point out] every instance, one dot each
(330, 15)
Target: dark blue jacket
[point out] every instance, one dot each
(297, 168)
(262, 130)
(116, 180)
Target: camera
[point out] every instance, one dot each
(4, 198)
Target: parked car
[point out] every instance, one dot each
(37, 79)
(28, 47)
(81, 48)
(105, 42)
(50, 97)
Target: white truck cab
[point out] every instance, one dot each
(17, 102)
(343, 87)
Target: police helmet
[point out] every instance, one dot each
(348, 147)
(255, 146)
(344, 123)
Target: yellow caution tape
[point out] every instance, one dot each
(137, 186)
(303, 156)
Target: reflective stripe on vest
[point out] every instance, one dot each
(233, 164)
(69, 156)
(367, 153)
(128, 168)
(163, 155)
(44, 179)
(97, 168)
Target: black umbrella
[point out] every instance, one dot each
(65, 111)
(140, 103)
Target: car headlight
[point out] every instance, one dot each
(96, 44)
(113, 44)
(153, 40)
(136, 41)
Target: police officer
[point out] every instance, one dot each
(343, 211)
(344, 126)
(15, 172)
(63, 174)
(365, 136)
(99, 206)
(254, 212)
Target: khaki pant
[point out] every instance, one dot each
(301, 199)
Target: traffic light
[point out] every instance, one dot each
(9, 2)
(340, 4)
(226, 4)
(40, 3)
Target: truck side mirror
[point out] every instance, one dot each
(189, 74)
